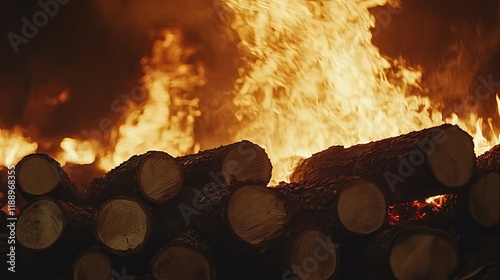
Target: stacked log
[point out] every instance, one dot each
(484, 194)
(246, 212)
(153, 176)
(413, 166)
(237, 162)
(188, 257)
(39, 174)
(411, 253)
(347, 204)
(212, 216)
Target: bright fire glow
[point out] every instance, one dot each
(79, 152)
(166, 119)
(312, 79)
(14, 146)
(317, 80)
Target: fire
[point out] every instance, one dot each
(316, 80)
(312, 79)
(417, 210)
(14, 146)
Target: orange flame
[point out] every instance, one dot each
(14, 146)
(313, 79)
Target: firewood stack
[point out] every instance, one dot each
(361, 212)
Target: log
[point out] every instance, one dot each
(411, 253)
(408, 167)
(51, 233)
(188, 257)
(39, 174)
(45, 221)
(490, 161)
(437, 212)
(92, 264)
(308, 253)
(247, 213)
(237, 162)
(348, 204)
(154, 176)
(123, 225)
(484, 199)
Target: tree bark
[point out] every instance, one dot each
(490, 161)
(411, 253)
(237, 162)
(484, 199)
(407, 167)
(46, 221)
(344, 204)
(249, 214)
(154, 176)
(305, 253)
(51, 233)
(188, 257)
(39, 174)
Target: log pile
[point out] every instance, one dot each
(362, 212)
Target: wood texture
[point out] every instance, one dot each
(400, 165)
(124, 180)
(344, 204)
(237, 162)
(39, 174)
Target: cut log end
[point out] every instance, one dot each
(361, 207)
(256, 214)
(160, 177)
(40, 225)
(122, 226)
(453, 160)
(246, 161)
(484, 200)
(180, 263)
(36, 175)
(313, 252)
(92, 265)
(423, 256)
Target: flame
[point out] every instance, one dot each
(316, 80)
(312, 79)
(14, 146)
(74, 151)
(166, 119)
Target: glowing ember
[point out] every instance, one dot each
(417, 210)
